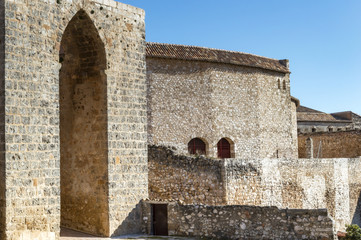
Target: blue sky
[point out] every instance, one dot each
(321, 38)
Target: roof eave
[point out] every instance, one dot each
(206, 60)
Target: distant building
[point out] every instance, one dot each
(334, 135)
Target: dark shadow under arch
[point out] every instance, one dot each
(83, 128)
(197, 146)
(225, 148)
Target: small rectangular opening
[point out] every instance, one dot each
(160, 219)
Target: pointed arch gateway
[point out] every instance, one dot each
(83, 128)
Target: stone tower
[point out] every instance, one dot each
(73, 117)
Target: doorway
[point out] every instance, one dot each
(160, 219)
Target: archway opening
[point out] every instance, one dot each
(197, 146)
(83, 128)
(225, 148)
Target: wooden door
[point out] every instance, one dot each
(160, 219)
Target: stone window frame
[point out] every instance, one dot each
(231, 147)
(200, 139)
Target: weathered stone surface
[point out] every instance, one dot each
(186, 179)
(83, 125)
(246, 222)
(102, 116)
(341, 144)
(298, 183)
(250, 107)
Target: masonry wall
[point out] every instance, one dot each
(186, 179)
(299, 183)
(294, 130)
(2, 123)
(33, 33)
(311, 127)
(302, 183)
(213, 101)
(355, 190)
(276, 129)
(247, 222)
(341, 144)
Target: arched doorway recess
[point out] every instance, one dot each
(197, 146)
(83, 128)
(224, 147)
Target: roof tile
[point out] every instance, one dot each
(193, 53)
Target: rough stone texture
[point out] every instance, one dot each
(172, 178)
(356, 119)
(2, 123)
(295, 102)
(247, 222)
(83, 124)
(309, 148)
(343, 144)
(298, 183)
(354, 178)
(30, 139)
(250, 107)
(301, 183)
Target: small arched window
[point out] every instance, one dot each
(224, 148)
(197, 146)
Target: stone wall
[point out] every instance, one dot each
(354, 178)
(356, 119)
(304, 127)
(2, 123)
(31, 138)
(294, 124)
(185, 179)
(250, 107)
(247, 222)
(341, 144)
(300, 183)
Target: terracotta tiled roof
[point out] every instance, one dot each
(315, 117)
(305, 114)
(306, 109)
(193, 53)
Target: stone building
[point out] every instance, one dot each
(75, 128)
(334, 135)
(221, 103)
(73, 117)
(311, 120)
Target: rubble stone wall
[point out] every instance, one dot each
(247, 222)
(184, 178)
(243, 222)
(33, 31)
(300, 184)
(341, 144)
(250, 107)
(2, 124)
